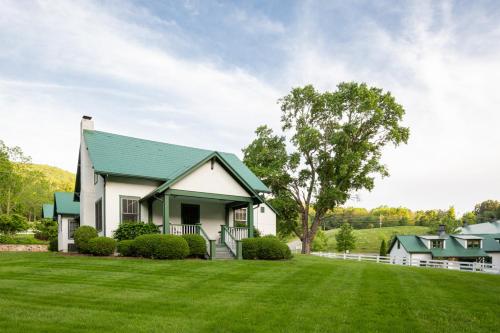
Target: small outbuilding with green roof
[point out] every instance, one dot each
(481, 247)
(67, 213)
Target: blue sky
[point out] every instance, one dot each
(207, 73)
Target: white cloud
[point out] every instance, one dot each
(120, 63)
(449, 94)
(84, 40)
(257, 23)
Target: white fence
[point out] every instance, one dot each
(445, 264)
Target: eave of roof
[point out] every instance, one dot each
(64, 204)
(48, 211)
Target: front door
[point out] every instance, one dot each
(190, 214)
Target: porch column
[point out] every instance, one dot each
(150, 210)
(250, 219)
(227, 215)
(166, 214)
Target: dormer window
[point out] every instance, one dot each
(437, 244)
(473, 243)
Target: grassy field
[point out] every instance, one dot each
(46, 292)
(368, 240)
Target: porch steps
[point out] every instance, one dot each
(222, 252)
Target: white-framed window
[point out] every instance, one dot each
(129, 209)
(73, 224)
(240, 217)
(437, 244)
(262, 209)
(473, 243)
(98, 215)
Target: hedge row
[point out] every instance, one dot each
(265, 248)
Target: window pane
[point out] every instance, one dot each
(98, 215)
(130, 209)
(72, 226)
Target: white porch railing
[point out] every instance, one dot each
(183, 229)
(207, 240)
(445, 264)
(229, 240)
(238, 233)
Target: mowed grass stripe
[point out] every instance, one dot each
(47, 292)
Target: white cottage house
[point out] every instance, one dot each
(181, 189)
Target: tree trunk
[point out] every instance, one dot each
(306, 246)
(306, 237)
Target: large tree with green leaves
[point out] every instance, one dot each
(331, 147)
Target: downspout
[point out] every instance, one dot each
(104, 205)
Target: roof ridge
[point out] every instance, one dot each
(160, 142)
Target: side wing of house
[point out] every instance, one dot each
(398, 251)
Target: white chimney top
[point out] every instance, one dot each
(86, 124)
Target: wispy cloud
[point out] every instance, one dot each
(448, 90)
(257, 23)
(91, 44)
(208, 74)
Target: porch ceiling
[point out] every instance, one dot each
(208, 197)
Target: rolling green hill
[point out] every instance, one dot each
(59, 179)
(368, 240)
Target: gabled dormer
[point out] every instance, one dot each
(469, 241)
(434, 242)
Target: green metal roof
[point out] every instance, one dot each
(123, 155)
(455, 249)
(490, 242)
(64, 204)
(48, 211)
(412, 244)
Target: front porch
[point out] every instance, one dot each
(210, 215)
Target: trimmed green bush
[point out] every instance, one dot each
(131, 230)
(197, 245)
(101, 246)
(127, 248)
(53, 245)
(4, 239)
(82, 237)
(45, 229)
(11, 224)
(20, 239)
(250, 247)
(161, 246)
(265, 248)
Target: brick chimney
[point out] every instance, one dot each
(441, 230)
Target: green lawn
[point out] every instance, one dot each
(368, 240)
(47, 292)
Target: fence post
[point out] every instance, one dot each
(212, 249)
(359, 257)
(473, 266)
(239, 250)
(222, 236)
(378, 258)
(344, 255)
